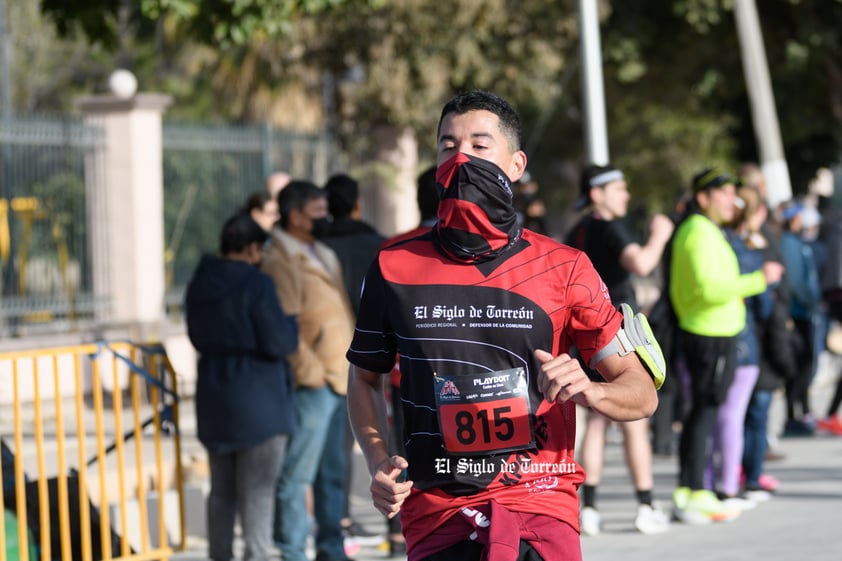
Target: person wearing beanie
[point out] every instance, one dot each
(616, 257)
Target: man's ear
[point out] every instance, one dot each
(255, 253)
(518, 165)
(595, 195)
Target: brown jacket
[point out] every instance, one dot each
(311, 288)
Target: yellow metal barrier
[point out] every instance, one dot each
(68, 405)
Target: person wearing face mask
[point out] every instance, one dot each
(483, 315)
(308, 279)
(244, 394)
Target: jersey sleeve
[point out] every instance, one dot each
(594, 320)
(373, 346)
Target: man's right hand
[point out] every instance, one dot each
(387, 492)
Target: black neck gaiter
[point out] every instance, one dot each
(477, 221)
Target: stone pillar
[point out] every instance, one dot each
(126, 206)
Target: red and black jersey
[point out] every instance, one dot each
(449, 318)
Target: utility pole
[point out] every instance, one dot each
(593, 94)
(763, 113)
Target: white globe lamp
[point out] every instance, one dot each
(122, 83)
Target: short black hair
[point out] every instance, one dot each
(295, 196)
(478, 100)
(343, 192)
(427, 196)
(239, 232)
(256, 200)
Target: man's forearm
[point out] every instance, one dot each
(366, 408)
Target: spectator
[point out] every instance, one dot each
(708, 303)
(615, 256)
(244, 395)
(832, 294)
(308, 277)
(354, 241)
(263, 208)
(726, 453)
(530, 207)
(355, 244)
(805, 303)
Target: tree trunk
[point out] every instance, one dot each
(388, 191)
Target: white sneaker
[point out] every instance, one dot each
(758, 495)
(590, 521)
(737, 503)
(651, 520)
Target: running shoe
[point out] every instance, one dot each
(360, 535)
(738, 503)
(651, 520)
(590, 523)
(830, 425)
(768, 482)
(758, 495)
(703, 507)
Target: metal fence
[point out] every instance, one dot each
(44, 249)
(209, 171)
(92, 465)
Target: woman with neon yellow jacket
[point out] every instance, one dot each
(707, 291)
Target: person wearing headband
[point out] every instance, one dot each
(616, 256)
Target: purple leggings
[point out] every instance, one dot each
(725, 459)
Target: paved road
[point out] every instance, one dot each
(801, 523)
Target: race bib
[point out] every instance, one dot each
(484, 413)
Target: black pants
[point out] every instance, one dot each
(834, 310)
(712, 362)
(797, 389)
(472, 551)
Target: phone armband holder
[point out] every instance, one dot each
(635, 335)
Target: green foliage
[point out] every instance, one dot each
(675, 92)
(227, 23)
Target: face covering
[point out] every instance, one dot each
(321, 228)
(477, 221)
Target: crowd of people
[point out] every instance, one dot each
(492, 334)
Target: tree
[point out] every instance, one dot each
(678, 64)
(377, 72)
